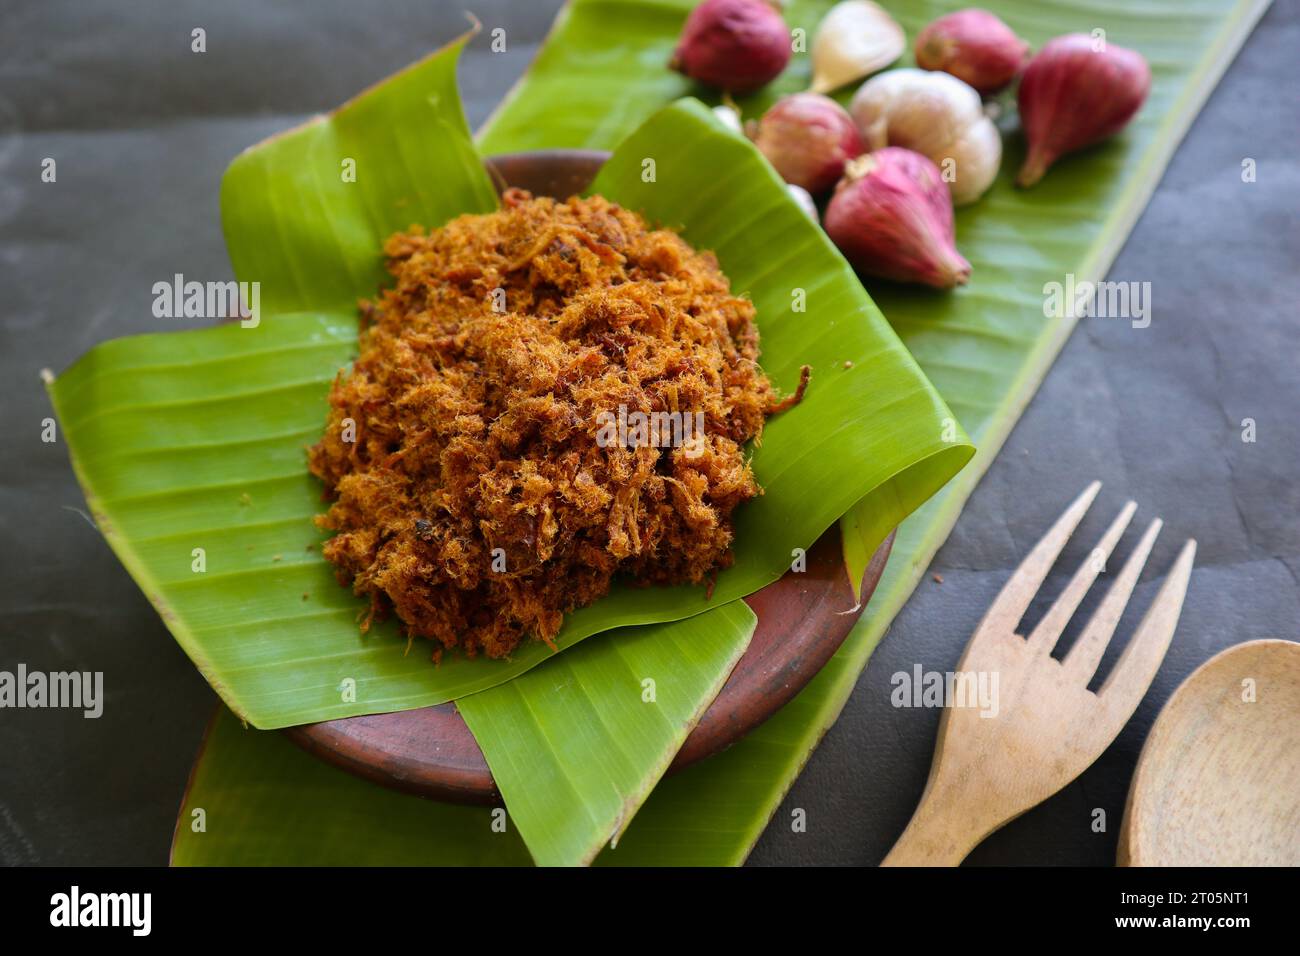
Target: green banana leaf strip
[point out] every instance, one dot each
(190, 446)
(594, 753)
(306, 212)
(238, 811)
(589, 85)
(577, 744)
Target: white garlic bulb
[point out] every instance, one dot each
(803, 198)
(937, 115)
(855, 39)
(729, 116)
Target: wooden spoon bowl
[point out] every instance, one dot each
(802, 620)
(1218, 783)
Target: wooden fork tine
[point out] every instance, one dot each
(1014, 598)
(1086, 654)
(1049, 629)
(1137, 666)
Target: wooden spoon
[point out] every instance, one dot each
(1218, 783)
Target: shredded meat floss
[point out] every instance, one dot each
(476, 501)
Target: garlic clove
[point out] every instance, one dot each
(1076, 92)
(804, 200)
(855, 39)
(729, 117)
(936, 115)
(916, 109)
(976, 158)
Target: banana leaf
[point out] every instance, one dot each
(237, 812)
(594, 754)
(597, 77)
(190, 446)
(577, 744)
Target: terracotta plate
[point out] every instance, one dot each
(802, 620)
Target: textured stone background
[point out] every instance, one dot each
(142, 129)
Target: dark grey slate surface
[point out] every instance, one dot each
(142, 129)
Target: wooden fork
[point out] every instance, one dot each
(1048, 727)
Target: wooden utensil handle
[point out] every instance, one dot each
(932, 838)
